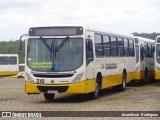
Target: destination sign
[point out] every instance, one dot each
(55, 31)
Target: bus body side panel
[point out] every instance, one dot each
(139, 75)
(156, 75)
(8, 73)
(110, 81)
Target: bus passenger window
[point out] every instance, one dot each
(145, 50)
(12, 60)
(149, 50)
(131, 48)
(120, 47)
(142, 51)
(114, 46)
(126, 47)
(137, 53)
(3, 60)
(107, 45)
(98, 45)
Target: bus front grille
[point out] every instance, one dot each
(56, 88)
(53, 75)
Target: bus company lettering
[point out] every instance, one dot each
(111, 66)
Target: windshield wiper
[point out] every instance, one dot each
(62, 44)
(47, 46)
(50, 48)
(53, 50)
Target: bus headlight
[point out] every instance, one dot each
(78, 78)
(29, 79)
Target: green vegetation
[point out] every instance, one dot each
(11, 47)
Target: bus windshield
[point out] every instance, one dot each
(55, 54)
(158, 53)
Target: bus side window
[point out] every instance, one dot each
(98, 45)
(107, 45)
(145, 50)
(142, 51)
(131, 47)
(114, 46)
(149, 50)
(120, 45)
(89, 51)
(126, 47)
(137, 53)
(12, 60)
(152, 50)
(3, 60)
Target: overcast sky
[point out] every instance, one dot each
(17, 16)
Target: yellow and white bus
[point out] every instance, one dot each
(9, 64)
(77, 59)
(144, 58)
(157, 59)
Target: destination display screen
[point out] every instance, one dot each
(55, 31)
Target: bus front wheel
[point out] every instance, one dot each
(122, 86)
(94, 95)
(49, 97)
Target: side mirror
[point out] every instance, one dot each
(20, 41)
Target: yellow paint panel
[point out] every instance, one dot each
(157, 75)
(110, 81)
(8, 73)
(140, 75)
(90, 86)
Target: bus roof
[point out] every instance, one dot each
(91, 28)
(145, 39)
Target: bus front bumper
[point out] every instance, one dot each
(77, 88)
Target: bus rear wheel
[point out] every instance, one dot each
(49, 97)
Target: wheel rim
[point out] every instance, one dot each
(96, 90)
(124, 81)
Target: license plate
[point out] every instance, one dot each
(52, 91)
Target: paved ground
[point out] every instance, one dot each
(135, 98)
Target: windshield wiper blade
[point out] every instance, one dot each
(47, 46)
(52, 50)
(62, 43)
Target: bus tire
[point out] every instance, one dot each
(94, 95)
(122, 86)
(49, 97)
